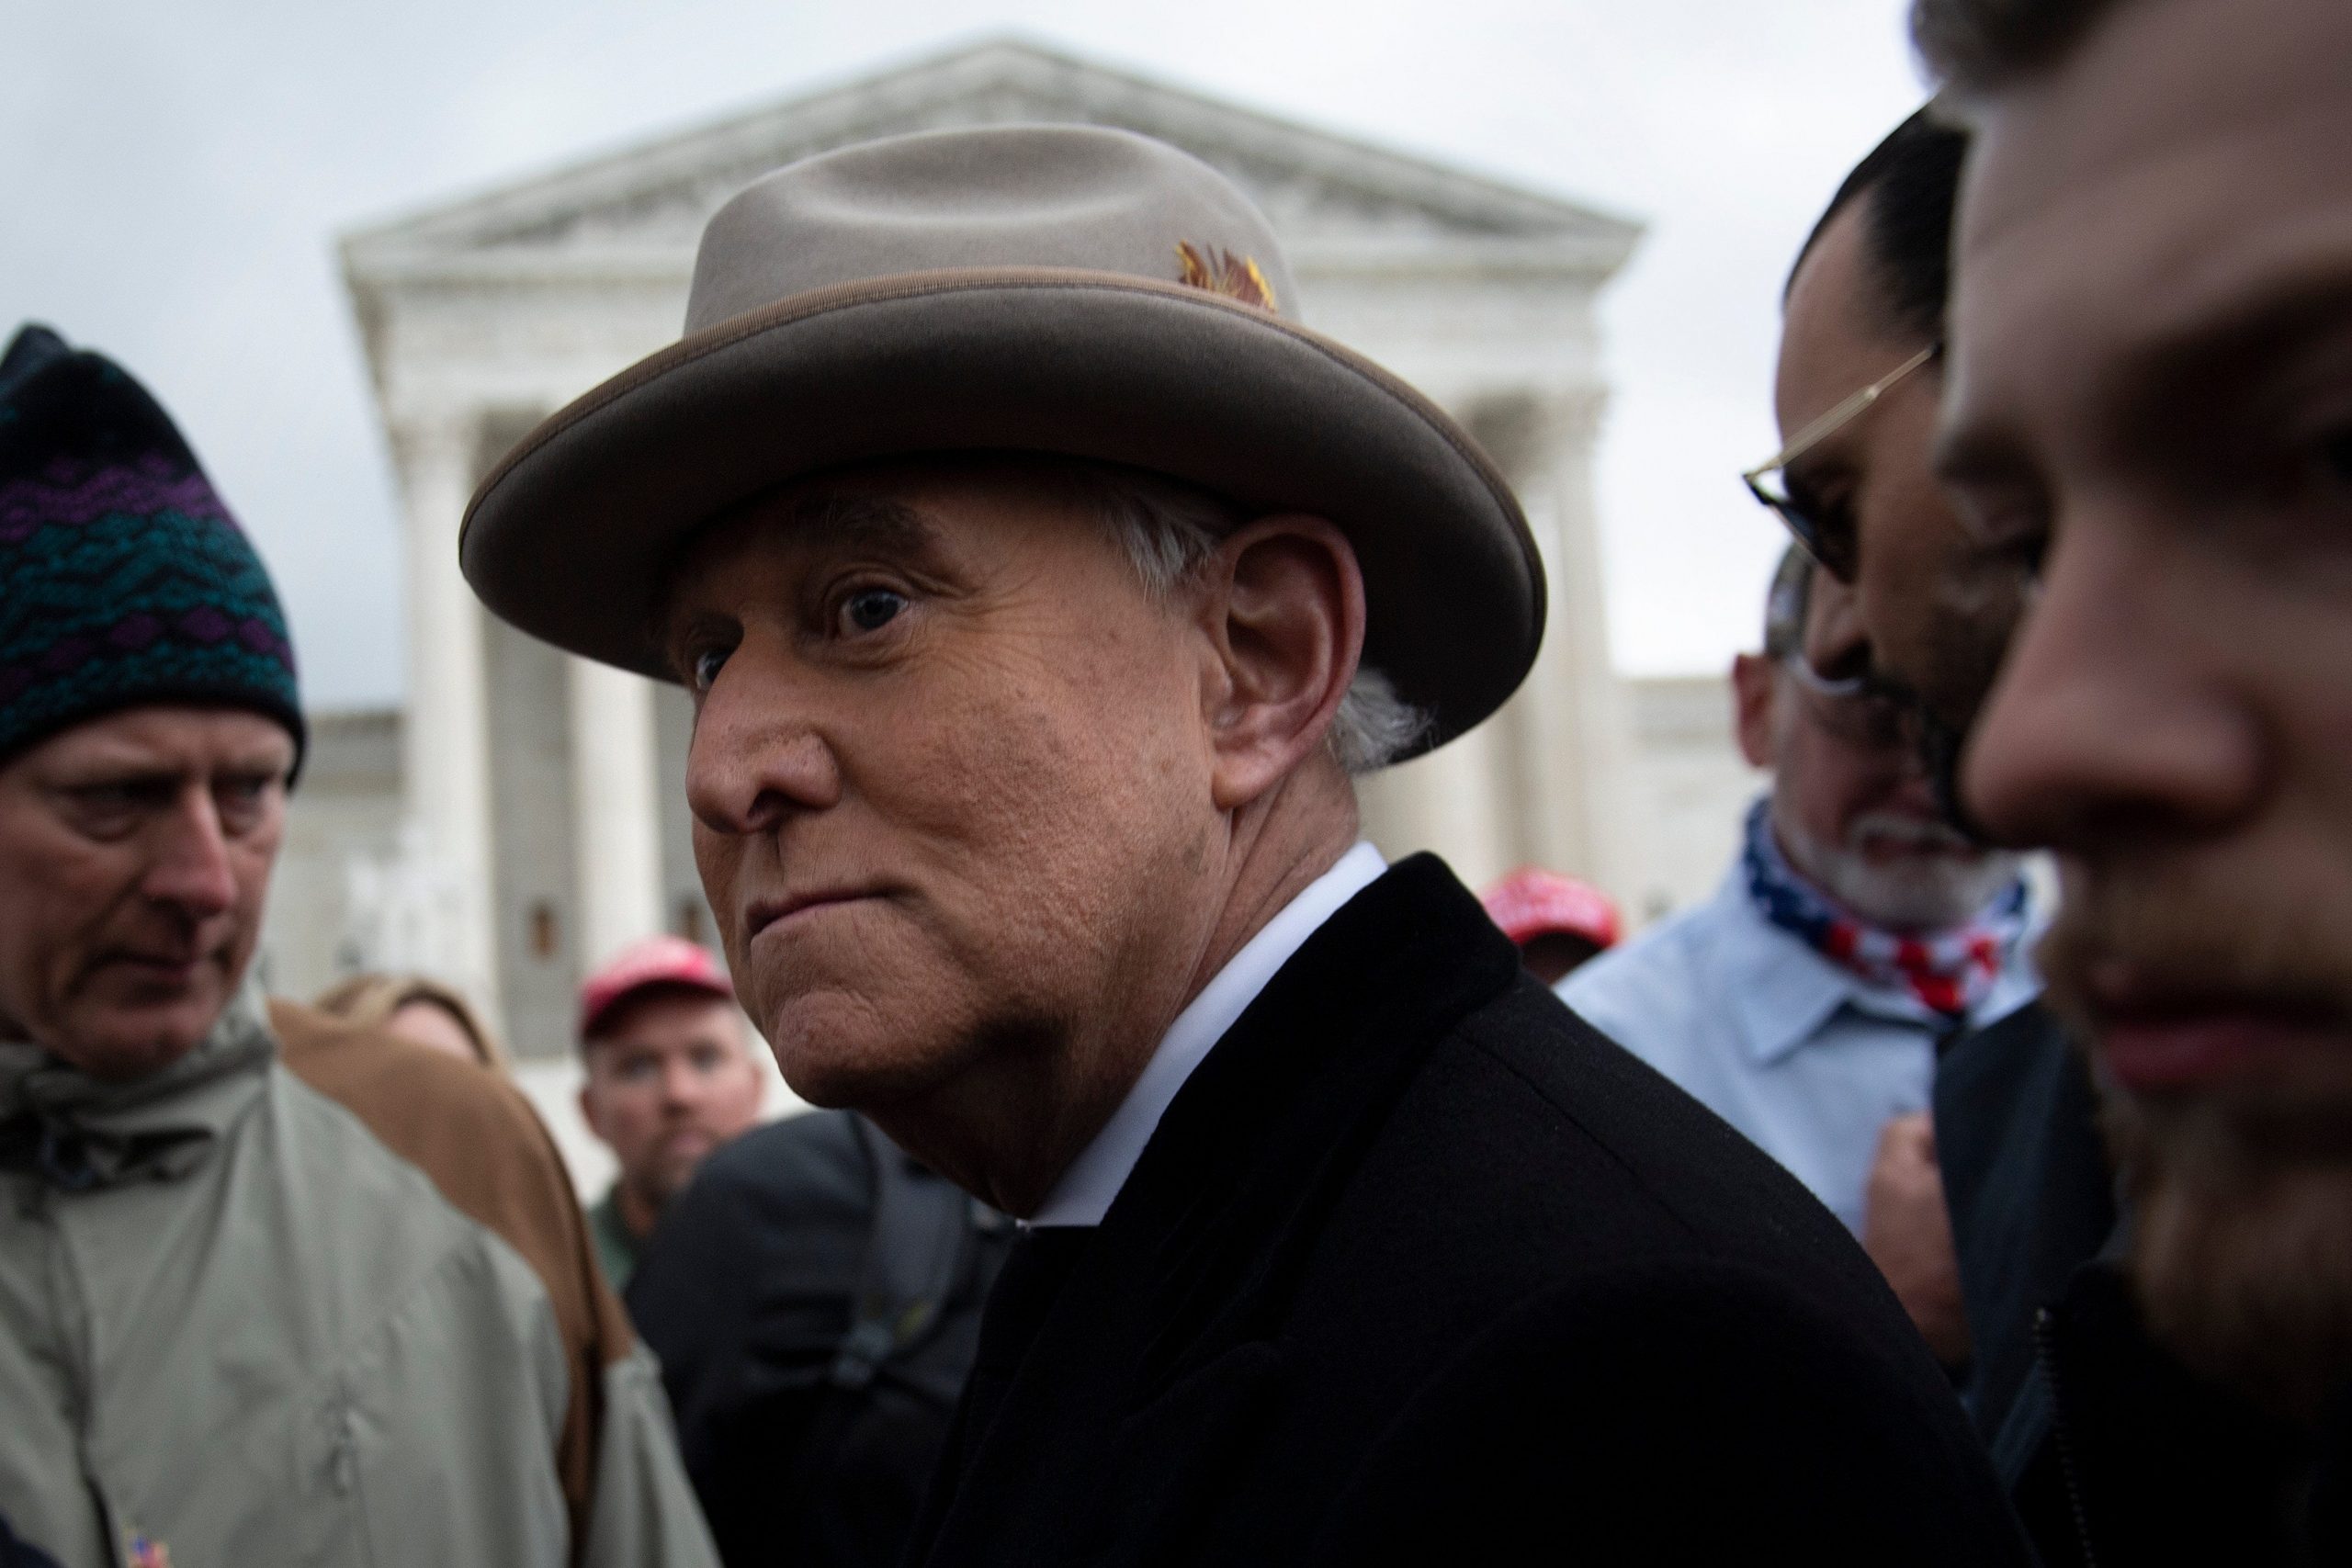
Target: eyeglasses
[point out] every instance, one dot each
(1832, 544)
(1862, 710)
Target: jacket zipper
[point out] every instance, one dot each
(2045, 1352)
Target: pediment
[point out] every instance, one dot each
(651, 202)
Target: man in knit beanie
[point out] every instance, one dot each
(128, 583)
(271, 1291)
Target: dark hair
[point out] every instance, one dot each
(1981, 46)
(1911, 182)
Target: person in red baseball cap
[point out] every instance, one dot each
(1557, 922)
(670, 1078)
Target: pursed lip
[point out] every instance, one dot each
(2181, 1045)
(173, 965)
(761, 913)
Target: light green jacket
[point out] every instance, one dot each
(234, 1322)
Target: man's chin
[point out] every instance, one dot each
(122, 1050)
(122, 1027)
(840, 1069)
(2240, 1251)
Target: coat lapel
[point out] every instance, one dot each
(1164, 1335)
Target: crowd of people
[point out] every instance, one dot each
(1196, 1186)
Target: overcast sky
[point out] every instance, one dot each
(172, 176)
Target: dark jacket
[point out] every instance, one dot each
(2114, 1453)
(803, 1449)
(2159, 1466)
(1420, 1268)
(2032, 1199)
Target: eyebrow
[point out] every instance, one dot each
(2164, 385)
(851, 518)
(90, 778)
(2253, 334)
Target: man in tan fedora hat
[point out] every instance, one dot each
(1041, 584)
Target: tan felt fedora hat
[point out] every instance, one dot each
(1047, 288)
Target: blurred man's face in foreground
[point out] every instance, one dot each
(2150, 393)
(135, 852)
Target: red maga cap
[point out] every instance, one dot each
(656, 961)
(1531, 902)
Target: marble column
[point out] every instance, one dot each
(616, 820)
(1575, 743)
(445, 761)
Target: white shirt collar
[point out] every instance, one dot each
(1085, 1191)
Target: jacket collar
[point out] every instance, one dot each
(1196, 1261)
(1087, 1190)
(79, 1133)
(1331, 1036)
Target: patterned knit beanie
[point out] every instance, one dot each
(123, 579)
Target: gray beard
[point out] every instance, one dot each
(1914, 892)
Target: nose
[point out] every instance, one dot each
(2114, 715)
(756, 757)
(191, 871)
(681, 1083)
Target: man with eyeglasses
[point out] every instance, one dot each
(1859, 387)
(1857, 931)
(2027, 1182)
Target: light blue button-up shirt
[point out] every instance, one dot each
(1796, 1052)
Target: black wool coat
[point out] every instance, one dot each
(1420, 1268)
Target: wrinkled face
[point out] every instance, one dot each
(670, 1078)
(2151, 395)
(135, 852)
(1935, 612)
(950, 777)
(1850, 804)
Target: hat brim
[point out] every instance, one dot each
(575, 534)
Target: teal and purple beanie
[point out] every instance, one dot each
(123, 581)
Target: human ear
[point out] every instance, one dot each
(1755, 682)
(1284, 616)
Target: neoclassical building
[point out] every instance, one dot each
(523, 814)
